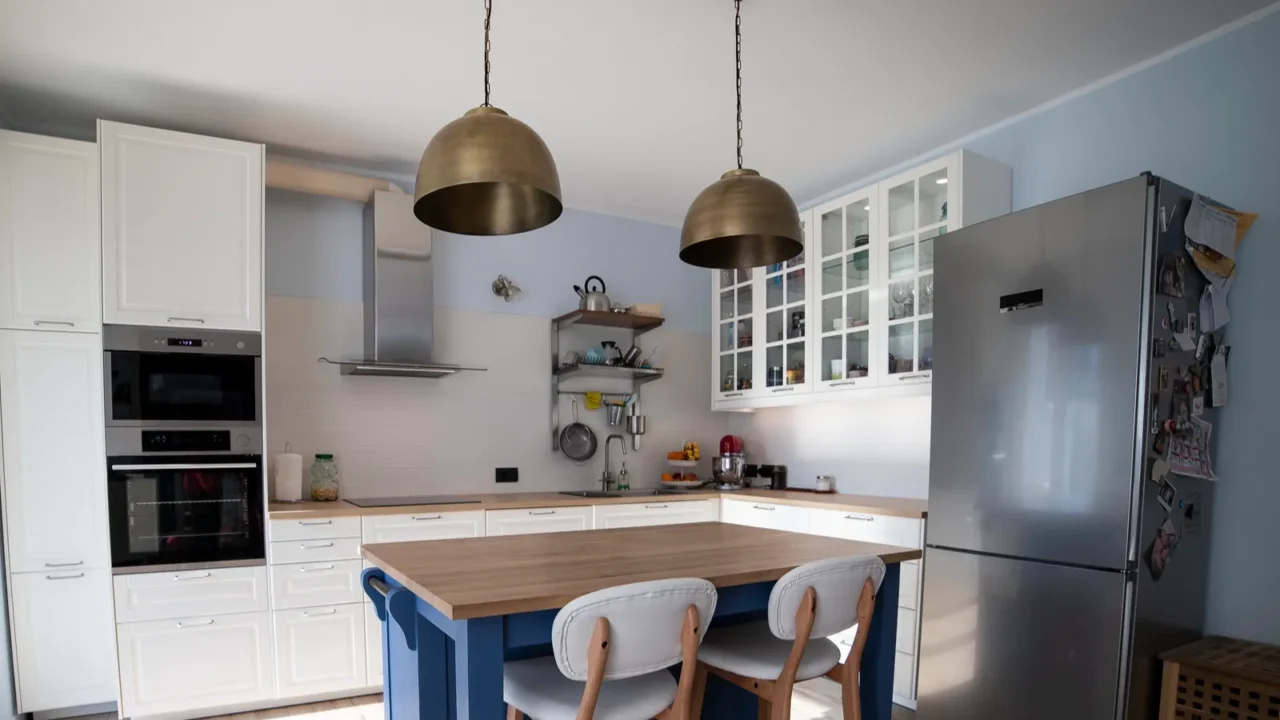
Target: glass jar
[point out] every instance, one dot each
(324, 478)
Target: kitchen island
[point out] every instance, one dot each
(453, 610)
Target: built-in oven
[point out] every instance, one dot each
(166, 377)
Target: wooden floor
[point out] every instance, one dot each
(813, 700)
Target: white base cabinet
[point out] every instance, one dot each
(372, 645)
(62, 639)
(193, 663)
(320, 649)
(423, 526)
(764, 515)
(538, 520)
(658, 512)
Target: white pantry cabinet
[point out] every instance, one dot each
(656, 512)
(62, 639)
(181, 229)
(50, 238)
(55, 481)
(320, 649)
(538, 520)
(195, 663)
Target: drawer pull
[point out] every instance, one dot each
(914, 376)
(318, 568)
(310, 613)
(62, 323)
(70, 564)
(187, 319)
(64, 577)
(426, 517)
(319, 522)
(865, 518)
(656, 507)
(193, 577)
(195, 624)
(764, 507)
(732, 395)
(548, 512)
(317, 546)
(783, 389)
(846, 383)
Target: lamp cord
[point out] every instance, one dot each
(488, 16)
(737, 36)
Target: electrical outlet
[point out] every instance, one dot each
(506, 475)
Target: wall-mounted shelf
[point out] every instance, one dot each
(638, 376)
(628, 321)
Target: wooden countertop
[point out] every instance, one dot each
(901, 507)
(481, 577)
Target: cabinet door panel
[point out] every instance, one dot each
(55, 480)
(50, 240)
(656, 513)
(315, 584)
(181, 229)
(187, 593)
(372, 644)
(765, 515)
(64, 651)
(423, 526)
(320, 649)
(546, 520)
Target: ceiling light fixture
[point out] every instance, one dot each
(743, 220)
(487, 173)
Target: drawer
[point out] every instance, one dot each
(656, 512)
(882, 529)
(312, 584)
(423, 526)
(313, 528)
(906, 642)
(909, 586)
(313, 551)
(170, 595)
(538, 520)
(904, 676)
(765, 515)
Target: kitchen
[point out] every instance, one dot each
(463, 435)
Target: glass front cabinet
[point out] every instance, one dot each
(854, 312)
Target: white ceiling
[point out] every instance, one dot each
(635, 98)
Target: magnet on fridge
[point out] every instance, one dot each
(1161, 444)
(1159, 469)
(1155, 413)
(1197, 406)
(1170, 277)
(1166, 495)
(1169, 425)
(1164, 322)
(1193, 323)
(1196, 386)
(1161, 549)
(1162, 381)
(1173, 312)
(1202, 348)
(1157, 348)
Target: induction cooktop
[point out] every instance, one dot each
(411, 500)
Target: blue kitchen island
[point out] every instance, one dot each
(453, 611)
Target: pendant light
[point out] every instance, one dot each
(487, 173)
(743, 220)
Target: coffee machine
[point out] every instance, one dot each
(728, 468)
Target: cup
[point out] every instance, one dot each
(837, 369)
(837, 323)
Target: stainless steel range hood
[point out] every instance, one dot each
(399, 314)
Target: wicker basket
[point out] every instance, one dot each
(1219, 678)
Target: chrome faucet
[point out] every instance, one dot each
(606, 478)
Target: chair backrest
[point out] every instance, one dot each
(837, 581)
(645, 622)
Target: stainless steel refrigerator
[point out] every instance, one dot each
(1038, 601)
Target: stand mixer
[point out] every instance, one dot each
(727, 468)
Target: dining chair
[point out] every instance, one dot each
(611, 651)
(806, 606)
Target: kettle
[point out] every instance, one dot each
(593, 300)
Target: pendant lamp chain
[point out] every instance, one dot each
(488, 17)
(737, 36)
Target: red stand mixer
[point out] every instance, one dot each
(727, 468)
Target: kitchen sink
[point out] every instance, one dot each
(620, 493)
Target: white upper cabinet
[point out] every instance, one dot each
(50, 246)
(181, 229)
(786, 338)
(55, 480)
(733, 351)
(844, 293)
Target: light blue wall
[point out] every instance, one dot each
(313, 250)
(1208, 119)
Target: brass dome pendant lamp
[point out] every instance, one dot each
(743, 220)
(487, 173)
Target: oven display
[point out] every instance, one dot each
(185, 342)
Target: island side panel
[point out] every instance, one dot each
(477, 665)
(876, 680)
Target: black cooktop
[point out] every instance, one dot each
(411, 500)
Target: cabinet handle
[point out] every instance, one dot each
(865, 518)
(914, 376)
(549, 512)
(317, 568)
(846, 383)
(656, 507)
(61, 323)
(194, 624)
(322, 522)
(732, 395)
(783, 389)
(763, 507)
(71, 564)
(193, 577)
(186, 319)
(426, 517)
(317, 546)
(309, 613)
(64, 577)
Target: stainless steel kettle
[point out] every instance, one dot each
(594, 300)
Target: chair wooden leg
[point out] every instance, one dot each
(513, 713)
(699, 691)
(850, 696)
(766, 710)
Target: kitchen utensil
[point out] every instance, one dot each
(779, 481)
(652, 359)
(631, 356)
(593, 300)
(612, 355)
(595, 356)
(732, 445)
(825, 483)
(636, 426)
(577, 441)
(727, 469)
(615, 415)
(581, 294)
(775, 376)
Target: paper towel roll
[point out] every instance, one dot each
(288, 477)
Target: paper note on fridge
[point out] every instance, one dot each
(1218, 377)
(1183, 340)
(1211, 227)
(1213, 309)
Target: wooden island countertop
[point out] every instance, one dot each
(487, 576)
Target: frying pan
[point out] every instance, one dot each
(577, 441)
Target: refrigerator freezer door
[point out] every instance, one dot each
(1005, 638)
(1035, 388)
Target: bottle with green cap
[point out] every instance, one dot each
(324, 477)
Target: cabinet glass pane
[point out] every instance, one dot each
(744, 370)
(926, 247)
(902, 257)
(773, 326)
(795, 363)
(773, 296)
(926, 344)
(829, 228)
(726, 336)
(796, 261)
(795, 324)
(859, 310)
(933, 197)
(902, 208)
(902, 347)
(857, 354)
(902, 299)
(774, 375)
(833, 314)
(858, 269)
(926, 294)
(744, 300)
(795, 286)
(726, 373)
(857, 224)
(726, 304)
(833, 357)
(726, 278)
(831, 276)
(744, 333)
(744, 276)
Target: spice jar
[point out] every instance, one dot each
(324, 478)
